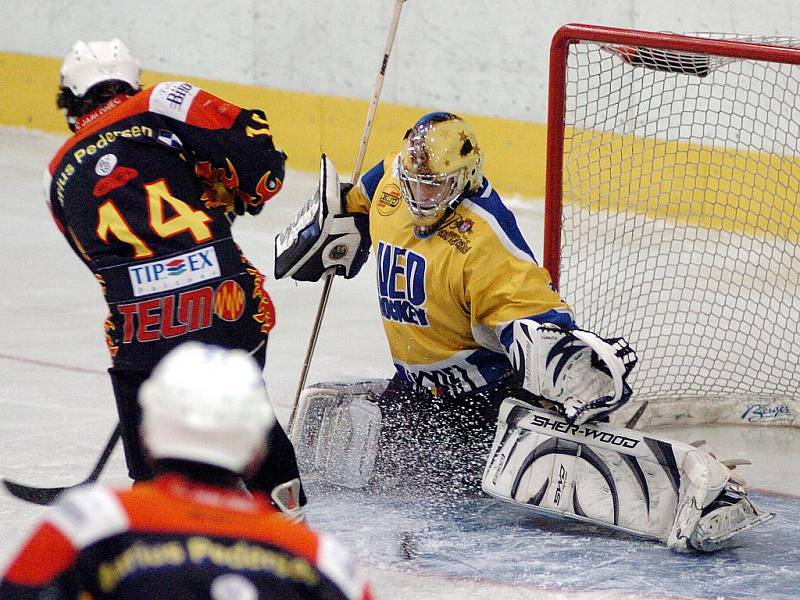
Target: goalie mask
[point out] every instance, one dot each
(439, 165)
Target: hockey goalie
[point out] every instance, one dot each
(496, 389)
(615, 477)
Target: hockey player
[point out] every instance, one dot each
(145, 192)
(193, 532)
(476, 333)
(457, 283)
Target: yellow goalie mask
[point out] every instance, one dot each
(440, 164)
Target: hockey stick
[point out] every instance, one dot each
(362, 150)
(39, 495)
(636, 416)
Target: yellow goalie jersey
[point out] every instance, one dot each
(448, 301)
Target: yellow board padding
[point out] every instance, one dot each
(303, 124)
(746, 192)
(726, 189)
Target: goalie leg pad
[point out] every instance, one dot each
(336, 431)
(615, 477)
(712, 506)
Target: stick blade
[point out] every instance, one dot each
(34, 495)
(637, 415)
(44, 496)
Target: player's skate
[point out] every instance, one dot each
(707, 528)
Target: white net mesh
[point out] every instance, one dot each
(681, 226)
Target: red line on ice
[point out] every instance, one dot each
(52, 365)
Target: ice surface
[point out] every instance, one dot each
(488, 540)
(58, 410)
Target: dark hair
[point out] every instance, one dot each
(97, 95)
(197, 471)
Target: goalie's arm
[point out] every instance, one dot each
(323, 235)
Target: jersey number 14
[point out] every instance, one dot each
(111, 222)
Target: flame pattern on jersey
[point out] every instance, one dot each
(265, 315)
(217, 185)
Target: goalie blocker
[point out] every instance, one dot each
(323, 236)
(619, 478)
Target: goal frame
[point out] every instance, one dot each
(576, 33)
(573, 34)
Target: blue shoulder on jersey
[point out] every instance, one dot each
(371, 178)
(493, 207)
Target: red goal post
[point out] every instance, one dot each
(672, 215)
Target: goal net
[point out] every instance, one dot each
(672, 214)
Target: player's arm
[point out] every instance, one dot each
(582, 374)
(47, 565)
(358, 198)
(330, 232)
(57, 212)
(42, 568)
(511, 297)
(228, 146)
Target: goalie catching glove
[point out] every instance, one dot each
(323, 236)
(580, 372)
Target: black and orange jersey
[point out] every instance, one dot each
(145, 193)
(177, 539)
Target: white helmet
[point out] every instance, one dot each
(206, 404)
(89, 64)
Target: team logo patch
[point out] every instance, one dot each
(176, 267)
(456, 233)
(229, 301)
(167, 138)
(118, 177)
(164, 317)
(389, 201)
(173, 273)
(105, 164)
(401, 285)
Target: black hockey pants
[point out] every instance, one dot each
(437, 443)
(279, 467)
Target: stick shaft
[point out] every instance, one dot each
(376, 91)
(362, 151)
(43, 495)
(312, 343)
